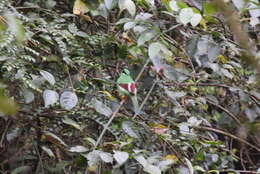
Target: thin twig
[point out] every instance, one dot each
(229, 135)
(108, 123)
(226, 111)
(142, 70)
(145, 99)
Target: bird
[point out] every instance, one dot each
(127, 87)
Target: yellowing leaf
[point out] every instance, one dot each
(108, 95)
(203, 24)
(222, 59)
(159, 129)
(7, 106)
(80, 7)
(172, 157)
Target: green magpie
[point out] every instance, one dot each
(127, 87)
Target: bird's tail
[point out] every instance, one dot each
(135, 104)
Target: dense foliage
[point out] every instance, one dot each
(195, 63)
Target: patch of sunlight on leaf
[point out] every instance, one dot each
(8, 106)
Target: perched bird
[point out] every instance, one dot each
(127, 87)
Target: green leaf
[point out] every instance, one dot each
(48, 76)
(146, 36)
(128, 5)
(157, 48)
(185, 15)
(72, 123)
(120, 157)
(54, 138)
(209, 8)
(182, 4)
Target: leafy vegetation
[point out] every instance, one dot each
(67, 70)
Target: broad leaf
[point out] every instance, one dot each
(128, 5)
(120, 157)
(68, 100)
(127, 126)
(106, 157)
(185, 15)
(50, 97)
(101, 108)
(145, 36)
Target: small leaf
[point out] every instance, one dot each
(48, 151)
(53, 138)
(129, 5)
(48, 76)
(146, 36)
(195, 20)
(129, 25)
(184, 128)
(106, 157)
(173, 5)
(186, 15)
(127, 126)
(141, 160)
(157, 48)
(68, 100)
(101, 108)
(28, 96)
(72, 123)
(120, 157)
(50, 97)
(143, 16)
(93, 158)
(78, 149)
